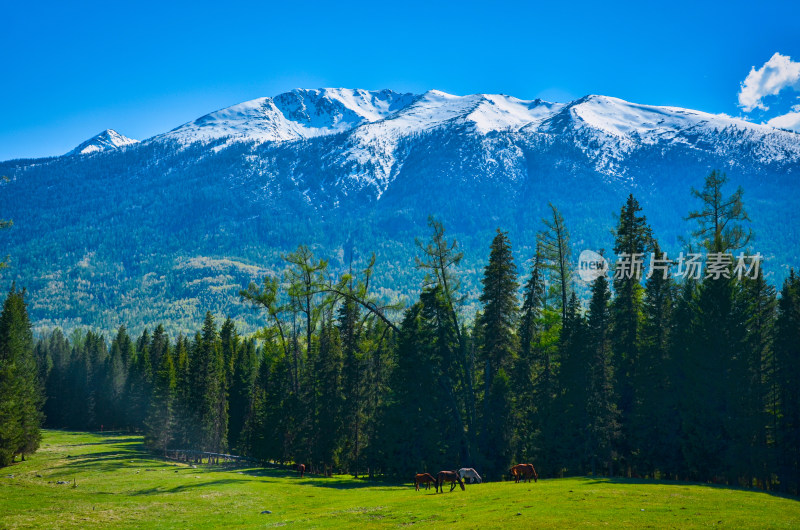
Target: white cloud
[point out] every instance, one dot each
(789, 121)
(776, 74)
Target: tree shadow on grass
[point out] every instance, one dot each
(112, 461)
(334, 482)
(186, 487)
(676, 483)
(109, 441)
(348, 484)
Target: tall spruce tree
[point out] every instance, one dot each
(748, 457)
(160, 422)
(140, 381)
(499, 343)
(633, 239)
(786, 377)
(212, 401)
(656, 421)
(58, 352)
(184, 411)
(601, 406)
(569, 435)
(532, 372)
(116, 382)
(330, 423)
(241, 389)
(353, 381)
(21, 397)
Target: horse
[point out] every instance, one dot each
(424, 478)
(448, 476)
(533, 472)
(524, 472)
(469, 473)
(301, 468)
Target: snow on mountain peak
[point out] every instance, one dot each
(376, 122)
(622, 119)
(104, 141)
(294, 115)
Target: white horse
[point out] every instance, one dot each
(469, 473)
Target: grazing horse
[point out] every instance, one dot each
(448, 476)
(469, 473)
(533, 472)
(301, 468)
(524, 472)
(424, 478)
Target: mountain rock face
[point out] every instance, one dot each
(166, 228)
(107, 140)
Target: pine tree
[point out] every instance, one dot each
(498, 322)
(439, 260)
(748, 457)
(184, 410)
(159, 346)
(160, 422)
(633, 239)
(140, 381)
(786, 377)
(656, 421)
(423, 426)
(714, 342)
(556, 253)
(718, 368)
(499, 317)
(78, 403)
(532, 373)
(601, 407)
(116, 381)
(719, 228)
(96, 354)
(681, 351)
(21, 396)
(331, 425)
(212, 403)
(352, 380)
(58, 352)
(241, 388)
(569, 434)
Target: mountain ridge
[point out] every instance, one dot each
(289, 116)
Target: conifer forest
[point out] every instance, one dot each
(692, 377)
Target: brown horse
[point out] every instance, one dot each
(424, 478)
(301, 468)
(448, 476)
(524, 472)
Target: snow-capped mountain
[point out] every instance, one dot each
(171, 226)
(104, 141)
(606, 129)
(293, 115)
(302, 114)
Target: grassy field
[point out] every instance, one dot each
(111, 481)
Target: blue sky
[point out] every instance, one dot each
(70, 70)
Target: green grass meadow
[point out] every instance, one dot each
(111, 481)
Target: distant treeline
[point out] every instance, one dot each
(697, 380)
